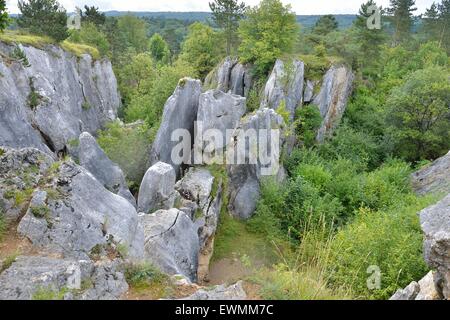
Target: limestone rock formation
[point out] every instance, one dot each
(435, 178)
(71, 213)
(94, 159)
(53, 100)
(197, 186)
(230, 76)
(171, 242)
(245, 178)
(332, 100)
(222, 292)
(157, 189)
(30, 276)
(286, 84)
(425, 289)
(180, 112)
(218, 111)
(435, 223)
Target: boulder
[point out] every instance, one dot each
(434, 178)
(157, 189)
(171, 242)
(246, 174)
(94, 159)
(218, 111)
(222, 292)
(72, 214)
(230, 76)
(435, 223)
(70, 95)
(285, 84)
(425, 289)
(30, 276)
(197, 186)
(180, 112)
(332, 98)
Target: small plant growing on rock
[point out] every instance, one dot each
(8, 262)
(2, 152)
(34, 98)
(48, 294)
(19, 55)
(143, 276)
(42, 212)
(86, 105)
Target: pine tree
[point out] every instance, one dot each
(326, 24)
(227, 14)
(403, 19)
(369, 40)
(3, 16)
(44, 17)
(92, 14)
(444, 24)
(431, 22)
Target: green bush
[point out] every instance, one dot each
(128, 147)
(390, 240)
(307, 124)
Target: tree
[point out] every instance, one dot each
(90, 35)
(133, 32)
(403, 20)
(44, 17)
(369, 40)
(326, 24)
(269, 30)
(200, 49)
(3, 16)
(444, 23)
(159, 49)
(420, 116)
(227, 14)
(92, 14)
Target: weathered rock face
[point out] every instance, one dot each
(197, 187)
(435, 178)
(230, 76)
(180, 112)
(425, 289)
(157, 188)
(435, 222)
(29, 275)
(171, 242)
(218, 111)
(71, 213)
(94, 159)
(285, 84)
(332, 99)
(20, 170)
(308, 95)
(233, 292)
(245, 178)
(55, 99)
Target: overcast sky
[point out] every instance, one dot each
(299, 6)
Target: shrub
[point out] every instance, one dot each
(48, 294)
(128, 146)
(390, 240)
(307, 123)
(19, 55)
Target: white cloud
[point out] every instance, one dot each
(299, 6)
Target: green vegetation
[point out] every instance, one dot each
(19, 55)
(268, 31)
(3, 16)
(159, 49)
(48, 294)
(89, 35)
(201, 49)
(40, 212)
(2, 223)
(8, 261)
(128, 147)
(227, 14)
(145, 278)
(43, 17)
